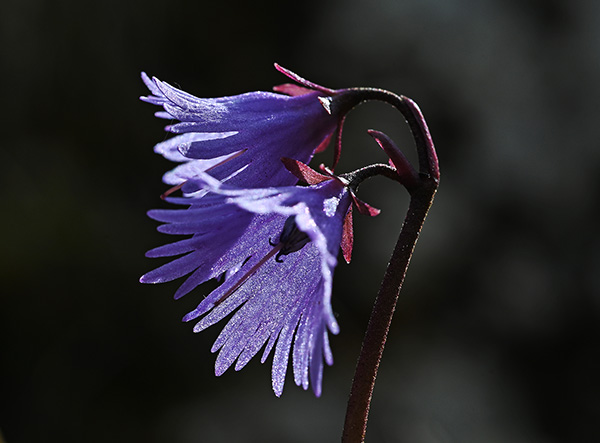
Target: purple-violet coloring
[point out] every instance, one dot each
(273, 245)
(240, 139)
(276, 249)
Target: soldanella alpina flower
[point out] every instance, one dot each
(271, 244)
(240, 138)
(276, 249)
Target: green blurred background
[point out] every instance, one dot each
(496, 335)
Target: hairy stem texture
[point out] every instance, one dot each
(381, 317)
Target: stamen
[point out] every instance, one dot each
(180, 185)
(291, 240)
(169, 191)
(250, 273)
(236, 155)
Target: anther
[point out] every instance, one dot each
(291, 239)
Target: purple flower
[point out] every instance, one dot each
(276, 249)
(241, 138)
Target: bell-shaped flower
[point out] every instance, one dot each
(275, 249)
(255, 129)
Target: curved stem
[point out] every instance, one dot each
(355, 178)
(381, 317)
(422, 193)
(347, 99)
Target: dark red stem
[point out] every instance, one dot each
(421, 197)
(357, 412)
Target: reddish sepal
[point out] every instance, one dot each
(364, 208)
(323, 145)
(347, 236)
(406, 173)
(303, 81)
(292, 89)
(337, 152)
(303, 172)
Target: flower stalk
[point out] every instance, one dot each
(422, 193)
(238, 197)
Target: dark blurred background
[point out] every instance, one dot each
(496, 335)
